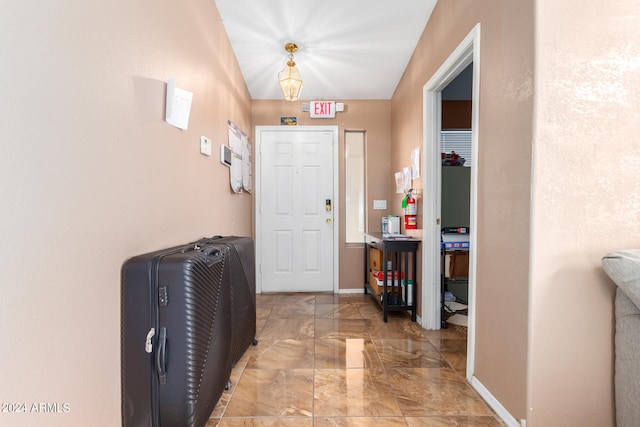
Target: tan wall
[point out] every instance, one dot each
(586, 195)
(544, 308)
(90, 175)
(371, 116)
(506, 108)
(456, 115)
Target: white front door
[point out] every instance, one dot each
(295, 208)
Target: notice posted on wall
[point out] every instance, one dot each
(178, 105)
(415, 163)
(399, 178)
(241, 176)
(406, 178)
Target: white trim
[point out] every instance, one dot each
(351, 291)
(473, 202)
(468, 51)
(430, 214)
(336, 207)
(336, 201)
(494, 403)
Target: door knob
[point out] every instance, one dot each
(328, 220)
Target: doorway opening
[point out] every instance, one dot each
(467, 52)
(455, 187)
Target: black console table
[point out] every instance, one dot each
(401, 252)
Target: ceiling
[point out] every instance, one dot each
(348, 49)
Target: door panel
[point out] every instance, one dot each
(283, 191)
(283, 251)
(295, 231)
(311, 248)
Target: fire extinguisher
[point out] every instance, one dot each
(410, 212)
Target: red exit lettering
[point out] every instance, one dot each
(322, 109)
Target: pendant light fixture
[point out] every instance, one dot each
(290, 79)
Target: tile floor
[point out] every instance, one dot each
(329, 360)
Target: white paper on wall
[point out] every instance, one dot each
(415, 163)
(399, 182)
(406, 172)
(235, 171)
(178, 105)
(241, 170)
(247, 175)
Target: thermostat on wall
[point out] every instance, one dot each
(225, 155)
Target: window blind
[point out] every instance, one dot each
(458, 141)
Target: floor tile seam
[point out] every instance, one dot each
(306, 417)
(485, 405)
(350, 417)
(266, 319)
(277, 369)
(386, 376)
(454, 416)
(442, 357)
(359, 416)
(460, 374)
(408, 369)
(316, 369)
(403, 368)
(313, 379)
(232, 391)
(261, 329)
(446, 359)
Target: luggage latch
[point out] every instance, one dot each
(148, 347)
(163, 297)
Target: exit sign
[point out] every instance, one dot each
(322, 109)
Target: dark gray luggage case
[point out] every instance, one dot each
(183, 294)
(243, 293)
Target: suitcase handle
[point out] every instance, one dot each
(212, 255)
(161, 363)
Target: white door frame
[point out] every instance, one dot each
(468, 51)
(258, 195)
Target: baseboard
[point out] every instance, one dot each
(351, 291)
(494, 403)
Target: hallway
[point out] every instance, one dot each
(330, 360)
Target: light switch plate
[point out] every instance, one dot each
(379, 204)
(205, 146)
